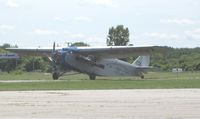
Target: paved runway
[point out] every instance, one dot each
(101, 104)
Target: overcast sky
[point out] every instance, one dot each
(173, 23)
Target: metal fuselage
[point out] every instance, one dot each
(100, 67)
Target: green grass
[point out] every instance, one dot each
(159, 80)
(101, 84)
(24, 76)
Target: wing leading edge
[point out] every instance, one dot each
(99, 52)
(115, 51)
(32, 51)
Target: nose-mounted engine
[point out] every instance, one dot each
(57, 57)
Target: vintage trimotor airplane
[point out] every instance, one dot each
(94, 61)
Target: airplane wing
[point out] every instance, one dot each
(31, 51)
(98, 52)
(115, 51)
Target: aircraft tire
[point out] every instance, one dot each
(92, 77)
(142, 77)
(55, 76)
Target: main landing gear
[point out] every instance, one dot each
(141, 75)
(92, 77)
(55, 75)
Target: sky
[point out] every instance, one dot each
(26, 23)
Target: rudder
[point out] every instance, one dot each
(142, 61)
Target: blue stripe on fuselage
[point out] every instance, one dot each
(70, 49)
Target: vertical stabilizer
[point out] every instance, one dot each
(142, 61)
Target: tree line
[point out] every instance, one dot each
(186, 58)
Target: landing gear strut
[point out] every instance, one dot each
(92, 77)
(55, 75)
(141, 75)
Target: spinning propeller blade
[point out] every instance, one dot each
(53, 60)
(54, 47)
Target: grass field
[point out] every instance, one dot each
(43, 81)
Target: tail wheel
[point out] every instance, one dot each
(92, 77)
(55, 76)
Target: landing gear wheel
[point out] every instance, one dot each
(142, 77)
(55, 76)
(92, 77)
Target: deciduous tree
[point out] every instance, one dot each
(118, 36)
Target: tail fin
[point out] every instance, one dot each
(142, 61)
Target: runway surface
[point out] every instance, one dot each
(101, 104)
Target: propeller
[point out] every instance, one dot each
(56, 60)
(55, 72)
(53, 53)
(54, 47)
(52, 57)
